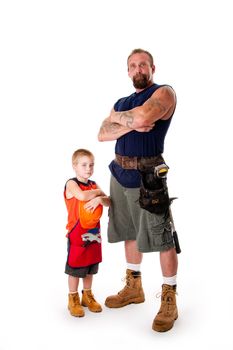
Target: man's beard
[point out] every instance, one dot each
(140, 81)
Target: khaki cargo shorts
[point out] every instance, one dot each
(127, 221)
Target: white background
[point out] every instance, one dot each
(62, 66)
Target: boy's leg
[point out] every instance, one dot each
(73, 283)
(74, 302)
(88, 298)
(87, 282)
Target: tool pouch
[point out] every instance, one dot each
(153, 190)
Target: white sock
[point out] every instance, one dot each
(134, 267)
(171, 281)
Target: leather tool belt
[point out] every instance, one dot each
(153, 189)
(138, 163)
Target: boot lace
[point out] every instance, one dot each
(159, 294)
(125, 279)
(91, 298)
(167, 301)
(76, 300)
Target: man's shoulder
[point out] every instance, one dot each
(164, 87)
(126, 97)
(123, 100)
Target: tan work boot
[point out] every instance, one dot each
(74, 305)
(168, 313)
(131, 293)
(89, 301)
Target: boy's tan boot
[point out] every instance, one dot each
(168, 313)
(74, 305)
(131, 293)
(89, 301)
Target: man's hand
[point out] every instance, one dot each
(146, 128)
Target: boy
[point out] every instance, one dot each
(84, 201)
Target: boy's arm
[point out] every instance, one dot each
(73, 190)
(93, 203)
(102, 199)
(105, 201)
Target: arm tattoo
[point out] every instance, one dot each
(155, 103)
(108, 127)
(126, 118)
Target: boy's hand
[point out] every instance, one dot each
(92, 204)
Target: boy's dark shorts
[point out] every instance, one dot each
(82, 272)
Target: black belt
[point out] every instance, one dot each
(138, 163)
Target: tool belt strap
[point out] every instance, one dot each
(138, 162)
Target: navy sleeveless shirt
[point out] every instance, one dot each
(138, 144)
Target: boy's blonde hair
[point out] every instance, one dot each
(80, 153)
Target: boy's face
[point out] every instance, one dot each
(84, 168)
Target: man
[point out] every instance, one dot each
(139, 124)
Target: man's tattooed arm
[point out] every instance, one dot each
(111, 130)
(159, 106)
(126, 118)
(156, 104)
(123, 118)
